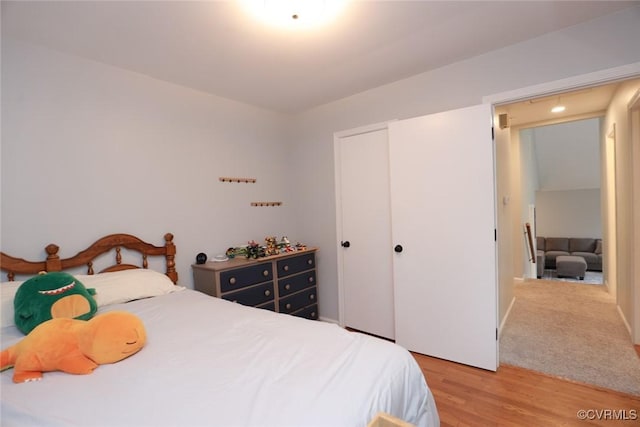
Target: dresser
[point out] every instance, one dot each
(284, 283)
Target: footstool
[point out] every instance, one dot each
(571, 266)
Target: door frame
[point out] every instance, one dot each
(337, 161)
(596, 78)
(634, 115)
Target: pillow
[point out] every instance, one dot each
(127, 285)
(7, 293)
(598, 250)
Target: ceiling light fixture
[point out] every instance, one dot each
(558, 108)
(294, 14)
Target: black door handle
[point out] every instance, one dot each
(398, 248)
(345, 244)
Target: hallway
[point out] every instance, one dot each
(573, 331)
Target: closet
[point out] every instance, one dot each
(416, 221)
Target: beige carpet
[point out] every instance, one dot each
(572, 331)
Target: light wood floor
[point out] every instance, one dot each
(513, 396)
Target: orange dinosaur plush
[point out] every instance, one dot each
(74, 346)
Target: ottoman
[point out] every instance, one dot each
(571, 266)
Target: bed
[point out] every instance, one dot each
(208, 361)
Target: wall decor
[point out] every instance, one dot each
(238, 180)
(266, 204)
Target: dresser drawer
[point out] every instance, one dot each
(310, 312)
(296, 283)
(241, 277)
(293, 265)
(255, 295)
(297, 301)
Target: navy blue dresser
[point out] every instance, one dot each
(284, 283)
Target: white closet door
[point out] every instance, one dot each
(367, 288)
(443, 215)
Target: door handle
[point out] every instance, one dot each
(398, 248)
(345, 244)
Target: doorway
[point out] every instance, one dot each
(561, 176)
(590, 104)
(615, 223)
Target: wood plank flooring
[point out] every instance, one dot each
(513, 396)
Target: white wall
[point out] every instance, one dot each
(600, 44)
(567, 155)
(571, 213)
(618, 113)
(528, 175)
(89, 150)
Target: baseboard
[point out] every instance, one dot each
(624, 320)
(506, 316)
(518, 279)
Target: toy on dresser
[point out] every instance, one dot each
(272, 246)
(285, 245)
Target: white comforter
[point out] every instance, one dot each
(209, 362)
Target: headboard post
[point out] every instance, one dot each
(52, 262)
(170, 257)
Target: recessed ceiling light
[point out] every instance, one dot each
(558, 109)
(294, 14)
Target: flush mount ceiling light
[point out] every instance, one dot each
(294, 14)
(558, 108)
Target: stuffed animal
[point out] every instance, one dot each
(50, 296)
(74, 346)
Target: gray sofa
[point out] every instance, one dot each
(551, 247)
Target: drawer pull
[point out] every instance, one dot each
(288, 306)
(287, 286)
(311, 279)
(265, 273)
(232, 281)
(285, 268)
(310, 262)
(312, 297)
(267, 292)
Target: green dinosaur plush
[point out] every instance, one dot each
(52, 295)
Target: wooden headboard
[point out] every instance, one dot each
(116, 242)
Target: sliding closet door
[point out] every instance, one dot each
(365, 232)
(443, 222)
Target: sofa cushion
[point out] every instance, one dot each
(556, 244)
(540, 243)
(598, 249)
(589, 257)
(550, 258)
(582, 245)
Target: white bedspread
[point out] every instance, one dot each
(209, 362)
